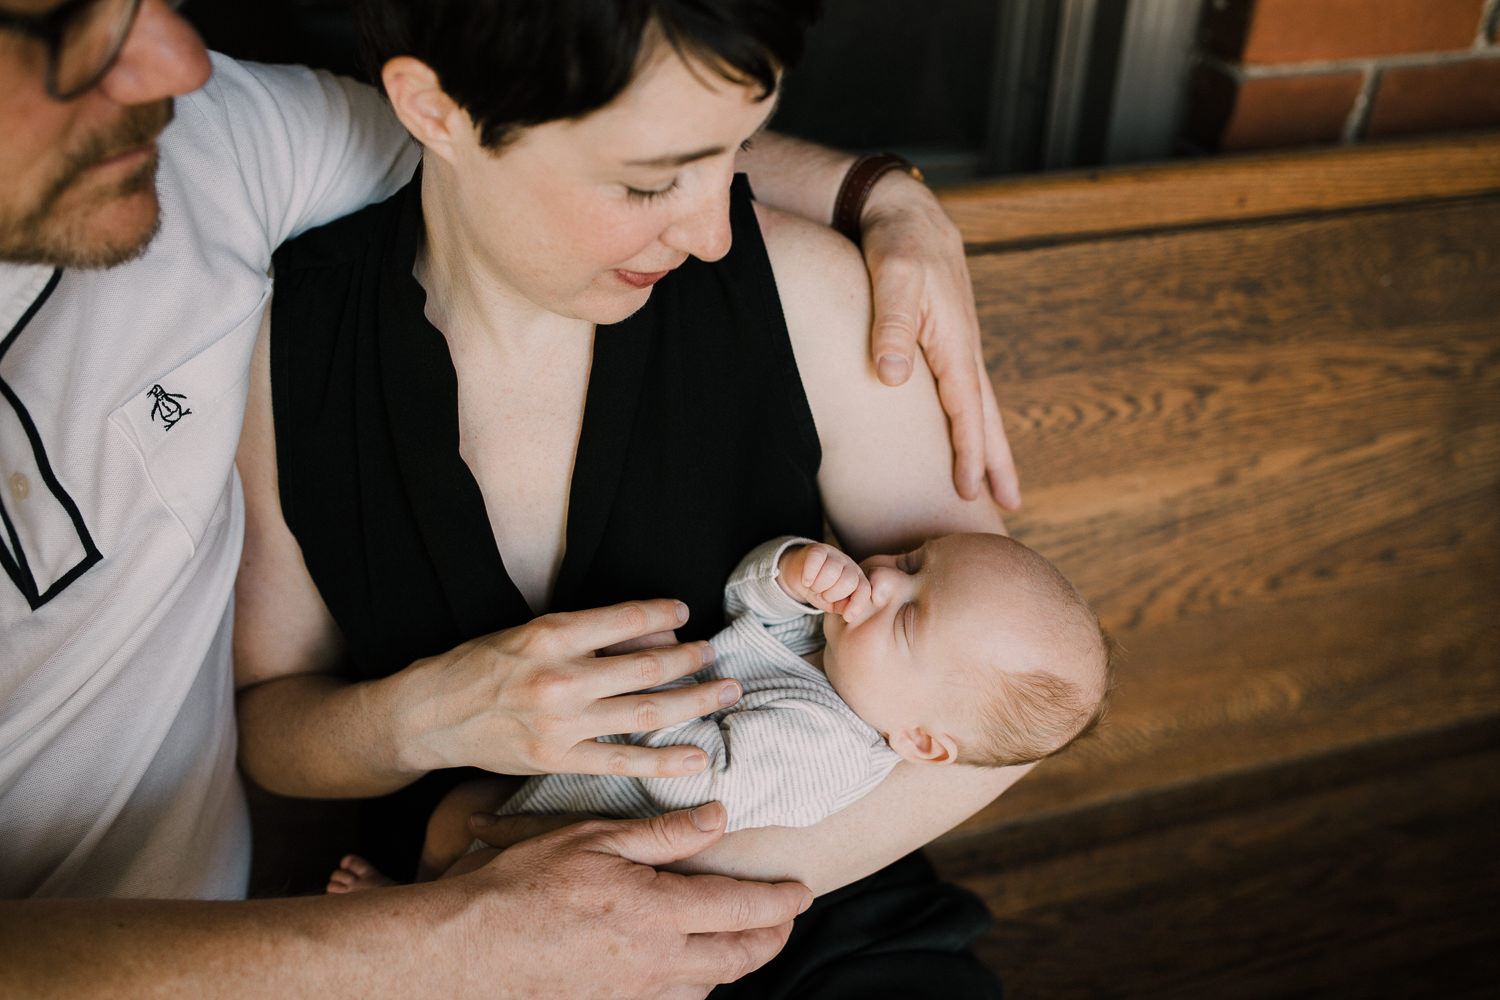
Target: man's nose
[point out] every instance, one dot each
(162, 57)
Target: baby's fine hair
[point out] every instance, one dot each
(1026, 715)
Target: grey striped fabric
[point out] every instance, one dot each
(789, 753)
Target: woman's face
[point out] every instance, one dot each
(580, 218)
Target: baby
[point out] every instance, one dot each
(971, 649)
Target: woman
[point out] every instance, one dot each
(495, 392)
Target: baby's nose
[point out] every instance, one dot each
(882, 580)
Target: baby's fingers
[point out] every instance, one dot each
(814, 558)
(856, 606)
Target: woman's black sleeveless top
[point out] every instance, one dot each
(697, 443)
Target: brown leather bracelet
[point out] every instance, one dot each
(855, 190)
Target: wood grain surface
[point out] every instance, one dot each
(1256, 408)
(1049, 206)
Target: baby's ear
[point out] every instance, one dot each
(917, 745)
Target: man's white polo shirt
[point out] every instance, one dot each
(121, 397)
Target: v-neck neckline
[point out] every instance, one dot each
(444, 496)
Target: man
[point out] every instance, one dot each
(134, 278)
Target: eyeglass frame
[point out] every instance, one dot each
(49, 29)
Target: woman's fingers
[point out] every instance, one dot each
(640, 713)
(592, 757)
(608, 676)
(574, 633)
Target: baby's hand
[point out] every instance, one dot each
(826, 578)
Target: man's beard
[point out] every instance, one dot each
(39, 238)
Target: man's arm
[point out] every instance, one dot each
(922, 294)
(527, 925)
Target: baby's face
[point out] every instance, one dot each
(901, 663)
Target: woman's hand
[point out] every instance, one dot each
(826, 578)
(533, 699)
(923, 296)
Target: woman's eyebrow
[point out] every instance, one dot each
(676, 159)
(682, 159)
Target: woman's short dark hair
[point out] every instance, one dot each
(515, 63)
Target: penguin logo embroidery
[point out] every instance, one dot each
(167, 407)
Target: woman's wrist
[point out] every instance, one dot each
(398, 711)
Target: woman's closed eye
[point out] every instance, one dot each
(650, 194)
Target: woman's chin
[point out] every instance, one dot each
(616, 308)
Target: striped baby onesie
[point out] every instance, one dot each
(788, 753)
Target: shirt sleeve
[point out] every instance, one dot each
(752, 590)
(309, 146)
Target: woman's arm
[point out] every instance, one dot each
(885, 486)
(923, 296)
(528, 700)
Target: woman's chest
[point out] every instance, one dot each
(519, 426)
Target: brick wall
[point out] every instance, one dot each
(1292, 72)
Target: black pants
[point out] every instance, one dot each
(899, 933)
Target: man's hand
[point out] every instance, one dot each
(923, 296)
(532, 699)
(825, 577)
(584, 913)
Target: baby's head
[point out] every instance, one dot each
(974, 650)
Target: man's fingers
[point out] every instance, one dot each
(959, 393)
(897, 300)
(507, 831)
(1000, 465)
(732, 956)
(672, 836)
(716, 904)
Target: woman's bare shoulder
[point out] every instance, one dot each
(886, 474)
(822, 282)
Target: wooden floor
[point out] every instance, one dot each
(1257, 408)
(1384, 884)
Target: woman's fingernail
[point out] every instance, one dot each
(708, 653)
(682, 612)
(695, 762)
(729, 694)
(483, 821)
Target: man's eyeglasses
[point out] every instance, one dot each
(83, 39)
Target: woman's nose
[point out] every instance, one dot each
(162, 57)
(702, 229)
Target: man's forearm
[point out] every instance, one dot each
(362, 945)
(795, 176)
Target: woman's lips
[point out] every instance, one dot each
(640, 279)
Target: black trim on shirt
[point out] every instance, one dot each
(17, 566)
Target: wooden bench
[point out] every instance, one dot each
(1256, 406)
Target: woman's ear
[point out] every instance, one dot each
(424, 107)
(916, 744)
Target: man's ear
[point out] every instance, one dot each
(424, 107)
(917, 745)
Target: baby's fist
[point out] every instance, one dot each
(826, 578)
